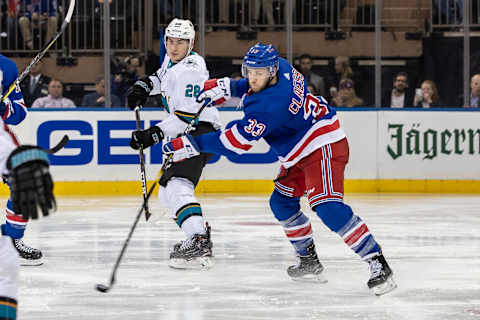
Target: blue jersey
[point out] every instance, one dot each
(290, 119)
(13, 110)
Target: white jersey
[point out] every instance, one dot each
(179, 84)
(7, 144)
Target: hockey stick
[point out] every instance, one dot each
(42, 52)
(59, 145)
(142, 166)
(189, 128)
(104, 288)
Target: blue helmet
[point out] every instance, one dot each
(261, 56)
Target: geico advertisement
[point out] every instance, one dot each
(383, 145)
(99, 146)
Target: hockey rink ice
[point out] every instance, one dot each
(432, 243)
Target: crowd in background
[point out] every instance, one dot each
(342, 85)
(339, 87)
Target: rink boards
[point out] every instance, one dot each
(390, 151)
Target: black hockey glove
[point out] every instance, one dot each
(30, 182)
(139, 92)
(146, 138)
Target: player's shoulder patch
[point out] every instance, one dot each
(192, 62)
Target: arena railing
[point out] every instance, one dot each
(20, 24)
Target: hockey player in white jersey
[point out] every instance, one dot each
(179, 80)
(25, 169)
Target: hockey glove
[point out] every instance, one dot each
(182, 148)
(139, 92)
(218, 90)
(30, 182)
(146, 138)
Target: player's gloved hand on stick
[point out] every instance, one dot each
(218, 90)
(138, 93)
(30, 182)
(182, 148)
(146, 138)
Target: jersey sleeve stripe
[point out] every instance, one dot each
(323, 132)
(233, 141)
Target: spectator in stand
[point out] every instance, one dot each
(266, 7)
(97, 98)
(313, 79)
(37, 13)
(474, 93)
(400, 96)
(125, 75)
(451, 11)
(55, 98)
(428, 97)
(343, 70)
(346, 96)
(35, 85)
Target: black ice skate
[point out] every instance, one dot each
(193, 253)
(381, 280)
(308, 267)
(28, 256)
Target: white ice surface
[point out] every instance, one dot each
(432, 243)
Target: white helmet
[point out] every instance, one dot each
(182, 29)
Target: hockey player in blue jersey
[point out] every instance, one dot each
(313, 151)
(25, 169)
(13, 111)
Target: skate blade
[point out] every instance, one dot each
(385, 287)
(200, 263)
(315, 278)
(30, 263)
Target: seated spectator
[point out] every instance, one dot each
(125, 73)
(474, 93)
(55, 98)
(400, 96)
(429, 96)
(267, 10)
(97, 98)
(346, 96)
(35, 85)
(37, 13)
(317, 82)
(451, 11)
(343, 70)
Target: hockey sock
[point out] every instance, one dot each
(15, 225)
(299, 231)
(190, 219)
(193, 225)
(357, 236)
(8, 308)
(339, 218)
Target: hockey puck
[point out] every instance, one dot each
(102, 288)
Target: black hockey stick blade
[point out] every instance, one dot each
(105, 288)
(59, 145)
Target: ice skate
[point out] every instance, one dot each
(193, 253)
(308, 267)
(28, 256)
(381, 276)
